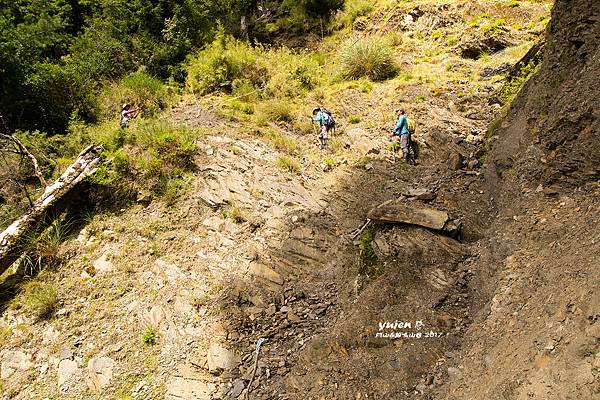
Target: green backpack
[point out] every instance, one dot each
(410, 124)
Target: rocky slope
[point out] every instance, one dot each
(539, 336)
(163, 301)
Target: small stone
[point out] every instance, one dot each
(369, 166)
(292, 317)
(454, 372)
(144, 198)
(66, 354)
(209, 151)
(550, 191)
(99, 372)
(473, 164)
(455, 162)
(68, 373)
(237, 389)
(103, 263)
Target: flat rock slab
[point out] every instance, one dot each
(409, 214)
(180, 388)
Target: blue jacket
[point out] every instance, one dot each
(319, 118)
(401, 126)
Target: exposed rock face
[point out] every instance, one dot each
(552, 131)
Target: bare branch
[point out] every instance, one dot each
(23, 151)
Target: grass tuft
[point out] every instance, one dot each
(371, 57)
(38, 299)
(288, 164)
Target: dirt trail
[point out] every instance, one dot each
(303, 289)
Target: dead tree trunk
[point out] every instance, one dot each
(12, 240)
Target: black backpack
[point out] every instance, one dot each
(328, 120)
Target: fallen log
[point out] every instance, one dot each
(13, 239)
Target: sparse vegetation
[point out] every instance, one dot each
(371, 57)
(282, 142)
(149, 336)
(353, 119)
(5, 333)
(288, 164)
(368, 263)
(234, 213)
(516, 82)
(38, 299)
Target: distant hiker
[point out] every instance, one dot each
(403, 131)
(326, 121)
(127, 114)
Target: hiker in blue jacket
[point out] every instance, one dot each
(401, 131)
(325, 120)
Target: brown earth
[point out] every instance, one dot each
(509, 309)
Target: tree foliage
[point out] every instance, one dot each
(55, 55)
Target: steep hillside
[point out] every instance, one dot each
(244, 230)
(539, 336)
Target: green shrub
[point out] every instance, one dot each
(149, 336)
(354, 9)
(138, 89)
(43, 245)
(371, 57)
(53, 94)
(353, 119)
(277, 111)
(38, 299)
(221, 64)
(291, 73)
(366, 86)
(368, 263)
(172, 188)
(288, 164)
(496, 27)
(235, 67)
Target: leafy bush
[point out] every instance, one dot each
(235, 67)
(138, 89)
(353, 119)
(225, 61)
(371, 57)
(354, 9)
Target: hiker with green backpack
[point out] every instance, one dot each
(326, 122)
(403, 130)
